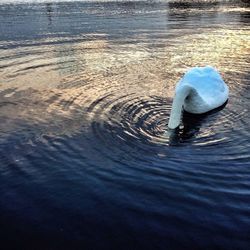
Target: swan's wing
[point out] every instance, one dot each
(209, 89)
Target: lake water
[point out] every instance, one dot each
(85, 95)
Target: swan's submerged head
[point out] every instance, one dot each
(190, 126)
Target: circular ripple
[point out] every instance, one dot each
(136, 127)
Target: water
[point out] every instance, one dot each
(85, 96)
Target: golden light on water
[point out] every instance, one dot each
(60, 76)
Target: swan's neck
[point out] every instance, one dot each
(176, 111)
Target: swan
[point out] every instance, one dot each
(200, 90)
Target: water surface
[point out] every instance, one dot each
(85, 95)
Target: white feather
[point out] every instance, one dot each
(200, 90)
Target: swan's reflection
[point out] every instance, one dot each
(191, 124)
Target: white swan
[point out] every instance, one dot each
(199, 91)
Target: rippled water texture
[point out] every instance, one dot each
(85, 96)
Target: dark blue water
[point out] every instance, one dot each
(85, 95)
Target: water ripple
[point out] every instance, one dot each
(85, 96)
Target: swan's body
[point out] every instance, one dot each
(199, 91)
